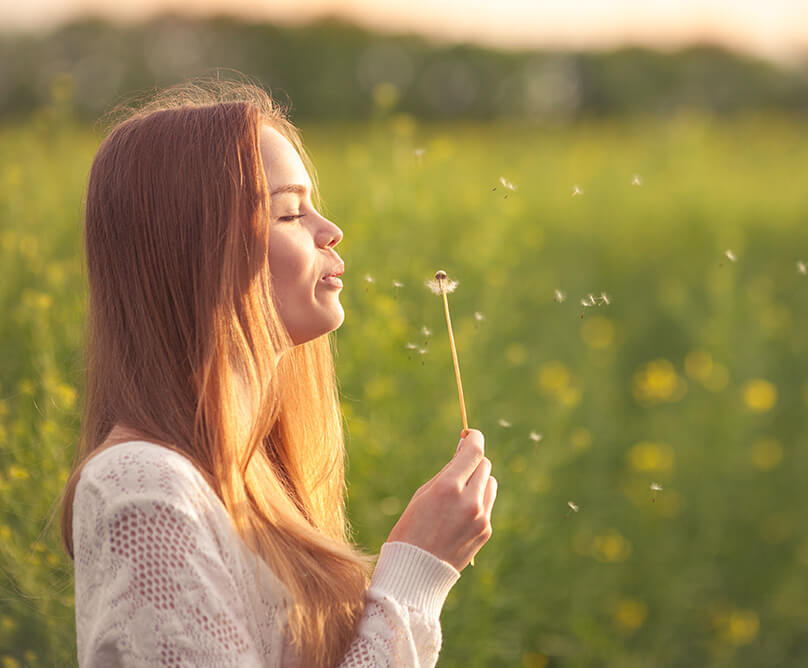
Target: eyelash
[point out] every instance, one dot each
(286, 219)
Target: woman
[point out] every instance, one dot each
(205, 512)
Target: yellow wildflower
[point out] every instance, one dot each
(759, 395)
(629, 614)
(647, 456)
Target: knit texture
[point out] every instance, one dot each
(163, 579)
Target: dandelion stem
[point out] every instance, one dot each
(456, 364)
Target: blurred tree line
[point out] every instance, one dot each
(331, 69)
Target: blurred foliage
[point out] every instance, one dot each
(334, 70)
(694, 377)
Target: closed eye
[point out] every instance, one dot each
(289, 219)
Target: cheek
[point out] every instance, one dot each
(289, 262)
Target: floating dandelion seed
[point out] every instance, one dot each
(397, 285)
(573, 508)
(419, 152)
(426, 331)
(655, 487)
(478, 316)
(504, 423)
(559, 296)
(368, 278)
(730, 255)
(410, 346)
(577, 190)
(507, 184)
(635, 180)
(592, 300)
(802, 268)
(536, 437)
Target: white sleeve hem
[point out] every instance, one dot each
(414, 577)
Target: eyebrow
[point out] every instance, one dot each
(290, 188)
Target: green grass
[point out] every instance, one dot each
(658, 386)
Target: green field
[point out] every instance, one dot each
(694, 376)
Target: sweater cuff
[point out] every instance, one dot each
(414, 577)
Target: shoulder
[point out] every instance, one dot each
(142, 471)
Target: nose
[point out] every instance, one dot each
(328, 234)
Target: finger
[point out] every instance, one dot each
(472, 450)
(490, 495)
(479, 479)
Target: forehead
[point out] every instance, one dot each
(282, 163)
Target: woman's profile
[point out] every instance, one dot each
(205, 512)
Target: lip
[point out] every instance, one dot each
(333, 279)
(339, 270)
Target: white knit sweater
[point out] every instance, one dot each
(163, 579)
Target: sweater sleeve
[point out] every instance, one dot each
(401, 624)
(151, 588)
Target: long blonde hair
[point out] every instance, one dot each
(181, 321)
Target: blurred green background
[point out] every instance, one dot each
(689, 214)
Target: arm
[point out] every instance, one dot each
(151, 587)
(401, 623)
(446, 522)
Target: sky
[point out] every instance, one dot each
(774, 29)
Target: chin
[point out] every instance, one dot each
(312, 331)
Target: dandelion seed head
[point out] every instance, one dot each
(802, 268)
(559, 296)
(423, 351)
(605, 298)
(398, 284)
(656, 487)
(503, 423)
(426, 331)
(536, 437)
(441, 283)
(410, 346)
(577, 190)
(574, 508)
(730, 255)
(635, 180)
(369, 278)
(478, 316)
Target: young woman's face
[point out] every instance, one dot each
(302, 261)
